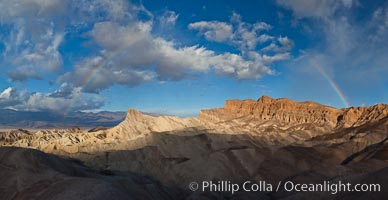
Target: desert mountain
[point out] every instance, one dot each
(42, 120)
(268, 139)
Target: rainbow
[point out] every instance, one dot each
(333, 85)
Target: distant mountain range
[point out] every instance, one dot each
(37, 120)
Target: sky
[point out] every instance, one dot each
(177, 57)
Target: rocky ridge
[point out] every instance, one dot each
(293, 112)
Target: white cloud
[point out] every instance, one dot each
(95, 74)
(31, 45)
(315, 8)
(114, 37)
(276, 57)
(249, 39)
(282, 44)
(11, 98)
(168, 18)
(65, 91)
(248, 36)
(213, 30)
(261, 26)
(91, 11)
(24, 72)
(6, 94)
(30, 9)
(286, 43)
(235, 66)
(243, 35)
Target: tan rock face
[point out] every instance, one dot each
(136, 124)
(356, 116)
(293, 112)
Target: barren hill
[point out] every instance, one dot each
(268, 139)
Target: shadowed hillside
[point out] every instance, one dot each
(268, 139)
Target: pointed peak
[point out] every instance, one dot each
(265, 98)
(133, 111)
(133, 114)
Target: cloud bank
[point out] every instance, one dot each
(61, 101)
(131, 55)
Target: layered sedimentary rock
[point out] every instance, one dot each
(136, 124)
(356, 116)
(293, 112)
(268, 139)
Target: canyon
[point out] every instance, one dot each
(157, 157)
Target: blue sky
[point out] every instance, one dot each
(177, 57)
